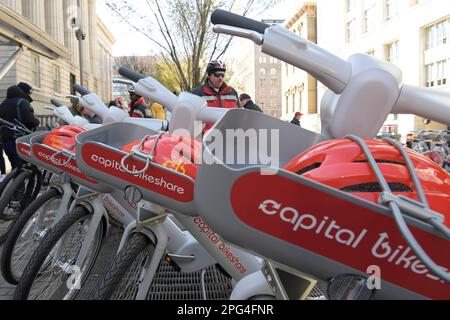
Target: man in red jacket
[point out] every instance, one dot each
(138, 107)
(215, 91)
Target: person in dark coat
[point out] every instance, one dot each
(297, 118)
(17, 106)
(247, 103)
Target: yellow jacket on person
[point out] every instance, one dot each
(158, 111)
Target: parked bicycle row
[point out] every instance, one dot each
(433, 144)
(283, 212)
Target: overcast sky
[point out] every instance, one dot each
(133, 43)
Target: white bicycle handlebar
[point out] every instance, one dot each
(364, 87)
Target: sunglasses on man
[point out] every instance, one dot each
(219, 74)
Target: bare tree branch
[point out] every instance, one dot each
(182, 32)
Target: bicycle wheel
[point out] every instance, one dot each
(122, 280)
(13, 201)
(8, 179)
(49, 274)
(27, 232)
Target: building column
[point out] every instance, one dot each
(34, 10)
(93, 38)
(54, 19)
(86, 43)
(16, 5)
(70, 40)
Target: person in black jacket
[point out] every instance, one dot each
(17, 106)
(247, 103)
(296, 120)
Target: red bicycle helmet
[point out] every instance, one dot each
(342, 164)
(63, 138)
(177, 153)
(216, 65)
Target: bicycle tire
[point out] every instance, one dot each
(44, 250)
(37, 185)
(6, 199)
(110, 280)
(9, 177)
(18, 226)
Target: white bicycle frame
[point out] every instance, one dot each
(364, 87)
(191, 249)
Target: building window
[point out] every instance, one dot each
(57, 79)
(350, 30)
(300, 102)
(73, 80)
(294, 102)
(369, 18)
(287, 104)
(273, 71)
(273, 92)
(371, 52)
(436, 74)
(273, 82)
(35, 70)
(391, 9)
(262, 72)
(437, 34)
(287, 69)
(350, 5)
(393, 52)
(262, 82)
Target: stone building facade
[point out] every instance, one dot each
(413, 34)
(50, 53)
(259, 75)
(299, 88)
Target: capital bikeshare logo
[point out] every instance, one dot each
(60, 161)
(337, 227)
(155, 178)
(330, 229)
(24, 149)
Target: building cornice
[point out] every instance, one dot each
(19, 30)
(105, 31)
(308, 8)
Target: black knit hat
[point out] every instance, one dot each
(25, 87)
(245, 96)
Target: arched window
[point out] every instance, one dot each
(262, 72)
(273, 71)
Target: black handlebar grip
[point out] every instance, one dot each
(231, 19)
(56, 103)
(130, 74)
(81, 90)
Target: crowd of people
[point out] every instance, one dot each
(217, 93)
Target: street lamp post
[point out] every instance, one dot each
(80, 35)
